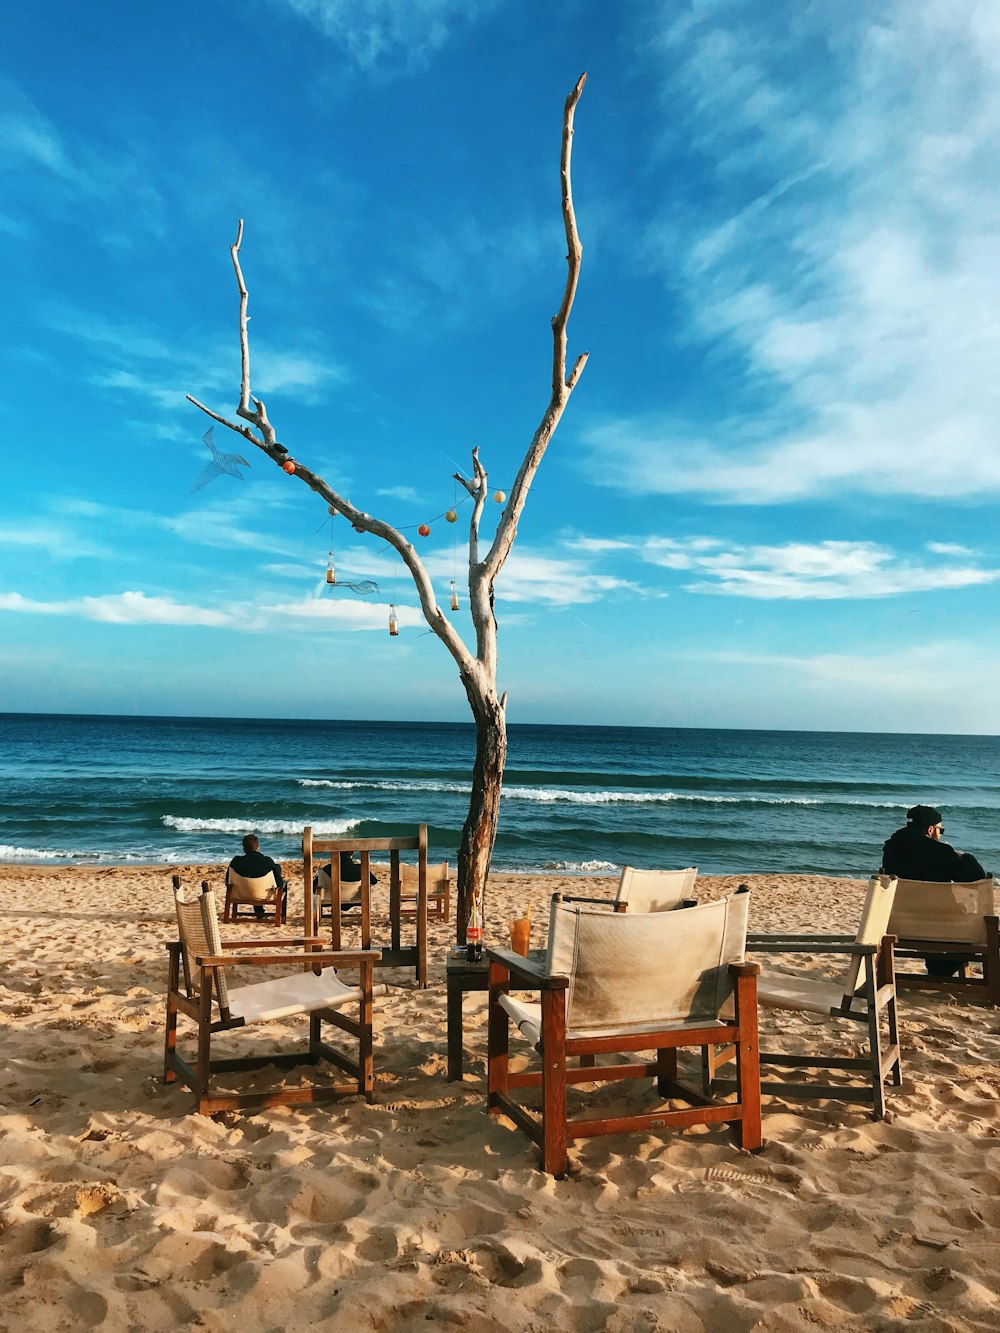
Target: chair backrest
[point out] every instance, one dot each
(922, 910)
(655, 890)
(874, 924)
(199, 933)
(350, 890)
(259, 889)
(636, 971)
(437, 876)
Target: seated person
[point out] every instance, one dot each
(252, 865)
(917, 852)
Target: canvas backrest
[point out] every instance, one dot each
(350, 890)
(198, 926)
(259, 889)
(922, 910)
(655, 890)
(631, 971)
(874, 924)
(437, 877)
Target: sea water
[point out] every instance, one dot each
(576, 799)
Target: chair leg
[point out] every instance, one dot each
(874, 1042)
(748, 1063)
(555, 1158)
(203, 1068)
(991, 960)
(886, 976)
(170, 1032)
(666, 1069)
(366, 1060)
(228, 907)
(497, 1040)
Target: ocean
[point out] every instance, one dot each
(587, 800)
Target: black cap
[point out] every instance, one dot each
(923, 816)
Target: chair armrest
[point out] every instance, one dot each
(817, 946)
(769, 937)
(275, 943)
(578, 898)
(744, 969)
(529, 971)
(341, 958)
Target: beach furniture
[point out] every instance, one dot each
(640, 983)
(941, 919)
(865, 996)
(199, 987)
(260, 891)
(438, 890)
(396, 953)
(647, 891)
(350, 894)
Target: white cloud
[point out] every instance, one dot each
(844, 250)
(125, 608)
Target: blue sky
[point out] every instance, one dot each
(771, 500)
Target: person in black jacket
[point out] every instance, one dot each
(252, 865)
(916, 851)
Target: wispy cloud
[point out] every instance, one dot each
(124, 608)
(804, 571)
(870, 181)
(384, 35)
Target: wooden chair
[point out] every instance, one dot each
(309, 986)
(350, 893)
(861, 999)
(647, 891)
(438, 890)
(935, 920)
(630, 982)
(261, 891)
(395, 953)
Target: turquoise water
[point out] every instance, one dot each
(106, 790)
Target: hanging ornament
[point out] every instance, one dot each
(454, 596)
(332, 510)
(288, 466)
(393, 622)
(499, 497)
(424, 530)
(451, 516)
(331, 573)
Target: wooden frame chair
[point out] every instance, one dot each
(263, 891)
(438, 890)
(933, 920)
(395, 953)
(631, 982)
(862, 999)
(350, 894)
(198, 987)
(647, 891)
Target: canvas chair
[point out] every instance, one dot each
(631, 982)
(260, 891)
(647, 891)
(865, 995)
(933, 920)
(396, 953)
(199, 987)
(350, 893)
(438, 890)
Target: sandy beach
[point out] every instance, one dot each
(120, 1209)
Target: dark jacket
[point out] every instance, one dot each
(910, 854)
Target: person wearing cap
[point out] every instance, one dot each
(916, 851)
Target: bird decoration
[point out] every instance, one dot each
(221, 463)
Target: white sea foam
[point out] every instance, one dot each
(325, 828)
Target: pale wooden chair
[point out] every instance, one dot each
(647, 891)
(260, 891)
(937, 920)
(438, 890)
(865, 996)
(396, 953)
(198, 986)
(628, 982)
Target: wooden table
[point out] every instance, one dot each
(461, 976)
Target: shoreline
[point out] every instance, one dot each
(120, 1208)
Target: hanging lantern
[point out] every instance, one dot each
(332, 510)
(393, 622)
(454, 596)
(288, 466)
(331, 573)
(424, 530)
(499, 497)
(451, 516)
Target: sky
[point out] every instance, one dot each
(771, 499)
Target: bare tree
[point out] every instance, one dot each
(478, 670)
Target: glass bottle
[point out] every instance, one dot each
(331, 573)
(454, 596)
(474, 932)
(393, 622)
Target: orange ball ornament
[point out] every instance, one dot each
(499, 497)
(424, 530)
(288, 466)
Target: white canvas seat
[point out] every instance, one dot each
(866, 994)
(647, 890)
(199, 987)
(941, 921)
(628, 982)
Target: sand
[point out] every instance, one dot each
(121, 1210)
